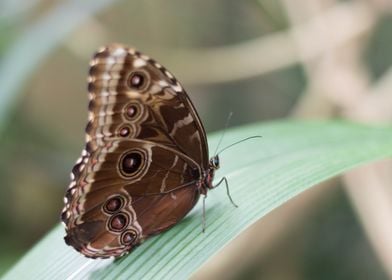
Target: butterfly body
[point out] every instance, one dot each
(145, 163)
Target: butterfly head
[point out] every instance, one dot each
(214, 162)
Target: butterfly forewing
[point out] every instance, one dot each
(157, 109)
(146, 154)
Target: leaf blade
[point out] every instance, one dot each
(290, 158)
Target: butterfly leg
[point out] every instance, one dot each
(204, 214)
(224, 179)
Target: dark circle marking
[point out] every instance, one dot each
(131, 163)
(137, 80)
(128, 237)
(118, 222)
(113, 204)
(124, 131)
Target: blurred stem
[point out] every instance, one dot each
(369, 190)
(347, 21)
(339, 81)
(255, 57)
(34, 45)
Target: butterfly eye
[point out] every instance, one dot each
(113, 204)
(216, 161)
(128, 237)
(137, 80)
(118, 222)
(131, 163)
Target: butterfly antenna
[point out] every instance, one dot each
(224, 131)
(240, 141)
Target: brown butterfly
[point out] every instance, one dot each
(145, 163)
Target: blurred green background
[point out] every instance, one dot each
(262, 60)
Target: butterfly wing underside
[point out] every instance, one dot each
(145, 153)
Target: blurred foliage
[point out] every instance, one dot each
(378, 55)
(43, 133)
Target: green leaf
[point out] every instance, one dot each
(263, 174)
(22, 56)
